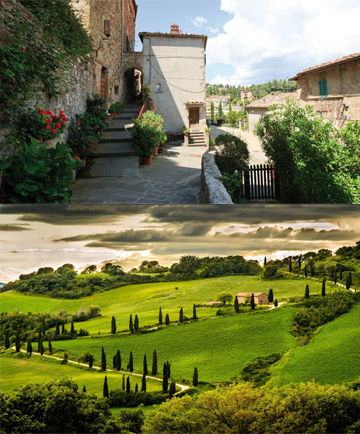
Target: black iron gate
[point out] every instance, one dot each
(260, 183)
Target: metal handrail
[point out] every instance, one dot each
(142, 108)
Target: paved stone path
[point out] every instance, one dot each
(115, 178)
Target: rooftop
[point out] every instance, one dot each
(245, 294)
(272, 98)
(173, 35)
(344, 59)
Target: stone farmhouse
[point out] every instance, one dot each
(259, 297)
(333, 88)
(174, 67)
(246, 94)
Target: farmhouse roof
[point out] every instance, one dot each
(345, 59)
(174, 35)
(272, 98)
(245, 294)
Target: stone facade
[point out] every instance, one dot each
(342, 103)
(174, 66)
(259, 297)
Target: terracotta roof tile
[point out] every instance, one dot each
(245, 294)
(271, 99)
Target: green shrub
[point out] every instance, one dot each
(232, 153)
(148, 133)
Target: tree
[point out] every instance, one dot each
(323, 289)
(103, 359)
(305, 271)
(131, 362)
(165, 383)
(72, 329)
(181, 315)
(136, 324)
(276, 304)
(172, 389)
(113, 325)
(57, 329)
(347, 282)
(136, 388)
(91, 360)
(41, 351)
(212, 117)
(312, 270)
(123, 382)
(105, 389)
(17, 342)
(131, 327)
(224, 297)
(145, 367)
(290, 265)
(252, 302)
(236, 305)
(118, 360)
(167, 319)
(195, 378)
(307, 291)
(128, 390)
(63, 327)
(299, 263)
(89, 270)
(271, 296)
(84, 389)
(43, 325)
(194, 312)
(220, 111)
(265, 262)
(168, 367)
(154, 364)
(143, 383)
(350, 279)
(335, 277)
(29, 346)
(340, 272)
(7, 341)
(39, 342)
(160, 316)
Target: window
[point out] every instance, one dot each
(107, 27)
(158, 87)
(323, 91)
(116, 90)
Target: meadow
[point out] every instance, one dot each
(144, 300)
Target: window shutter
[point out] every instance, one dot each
(323, 88)
(107, 27)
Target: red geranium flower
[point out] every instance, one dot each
(48, 128)
(58, 126)
(54, 131)
(48, 121)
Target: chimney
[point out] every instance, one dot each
(174, 29)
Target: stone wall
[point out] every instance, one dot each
(343, 82)
(212, 189)
(72, 101)
(130, 12)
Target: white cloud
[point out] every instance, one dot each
(199, 21)
(277, 39)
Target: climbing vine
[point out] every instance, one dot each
(40, 52)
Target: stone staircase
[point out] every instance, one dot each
(197, 138)
(116, 157)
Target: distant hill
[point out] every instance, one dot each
(1, 284)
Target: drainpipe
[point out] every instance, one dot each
(146, 37)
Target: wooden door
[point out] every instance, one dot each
(194, 117)
(103, 84)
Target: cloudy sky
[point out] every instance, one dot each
(37, 236)
(259, 40)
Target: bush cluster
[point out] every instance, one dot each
(148, 133)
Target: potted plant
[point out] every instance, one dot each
(43, 125)
(112, 110)
(185, 131)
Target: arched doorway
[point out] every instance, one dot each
(132, 84)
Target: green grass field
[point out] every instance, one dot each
(16, 372)
(218, 347)
(331, 357)
(145, 300)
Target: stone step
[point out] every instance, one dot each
(115, 150)
(124, 116)
(196, 140)
(110, 136)
(127, 166)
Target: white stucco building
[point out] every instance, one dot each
(174, 67)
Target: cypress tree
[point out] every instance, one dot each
(167, 319)
(181, 315)
(335, 277)
(114, 361)
(160, 316)
(143, 383)
(168, 367)
(63, 327)
(41, 347)
(131, 362)
(123, 382)
(118, 360)
(131, 327)
(312, 270)
(103, 359)
(212, 117)
(43, 325)
(105, 389)
(50, 346)
(84, 389)
(236, 305)
(7, 341)
(340, 272)
(91, 361)
(276, 303)
(172, 389)
(265, 262)
(72, 331)
(220, 111)
(194, 312)
(57, 329)
(306, 272)
(252, 302)
(165, 384)
(299, 262)
(136, 324)
(347, 282)
(29, 346)
(154, 364)
(17, 342)
(323, 289)
(271, 296)
(39, 342)
(113, 325)
(350, 280)
(290, 265)
(307, 291)
(195, 377)
(145, 367)
(128, 385)
(136, 388)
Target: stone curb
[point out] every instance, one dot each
(212, 189)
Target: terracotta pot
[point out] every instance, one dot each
(156, 150)
(146, 160)
(185, 134)
(112, 114)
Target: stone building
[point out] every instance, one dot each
(333, 88)
(174, 67)
(246, 94)
(260, 297)
(112, 26)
